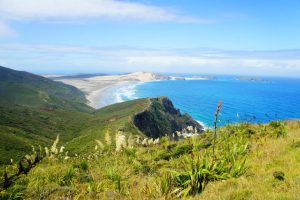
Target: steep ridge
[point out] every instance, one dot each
(148, 117)
(161, 118)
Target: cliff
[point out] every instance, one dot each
(161, 118)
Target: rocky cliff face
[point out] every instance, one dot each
(161, 118)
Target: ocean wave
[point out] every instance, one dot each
(205, 127)
(126, 92)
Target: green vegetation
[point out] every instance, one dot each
(23, 88)
(246, 166)
(106, 154)
(161, 118)
(34, 110)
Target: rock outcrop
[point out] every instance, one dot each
(161, 118)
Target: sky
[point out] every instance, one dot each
(249, 37)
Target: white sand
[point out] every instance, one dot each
(97, 87)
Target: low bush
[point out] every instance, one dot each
(84, 165)
(279, 175)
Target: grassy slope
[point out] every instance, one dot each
(23, 82)
(138, 173)
(114, 118)
(269, 155)
(37, 127)
(34, 110)
(76, 129)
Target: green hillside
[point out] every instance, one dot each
(34, 110)
(122, 117)
(63, 149)
(26, 89)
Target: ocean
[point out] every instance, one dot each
(243, 100)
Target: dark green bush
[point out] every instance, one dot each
(130, 152)
(279, 175)
(67, 178)
(203, 145)
(84, 165)
(196, 176)
(296, 144)
(277, 128)
(175, 151)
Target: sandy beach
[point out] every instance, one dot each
(101, 90)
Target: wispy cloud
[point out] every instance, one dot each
(92, 59)
(70, 10)
(5, 30)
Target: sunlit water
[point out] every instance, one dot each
(253, 101)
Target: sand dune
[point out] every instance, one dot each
(97, 87)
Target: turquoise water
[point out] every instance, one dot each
(252, 101)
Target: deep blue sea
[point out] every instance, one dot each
(252, 101)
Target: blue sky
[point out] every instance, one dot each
(251, 37)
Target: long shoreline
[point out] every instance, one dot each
(101, 91)
(107, 95)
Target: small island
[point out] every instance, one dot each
(245, 78)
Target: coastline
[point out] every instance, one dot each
(109, 94)
(102, 91)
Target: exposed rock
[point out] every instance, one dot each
(161, 118)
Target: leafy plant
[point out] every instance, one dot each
(166, 185)
(67, 178)
(279, 175)
(84, 165)
(277, 128)
(115, 177)
(215, 125)
(196, 176)
(130, 152)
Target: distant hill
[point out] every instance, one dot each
(58, 77)
(26, 89)
(34, 110)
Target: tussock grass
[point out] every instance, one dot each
(246, 158)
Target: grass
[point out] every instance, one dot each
(34, 109)
(268, 155)
(239, 161)
(243, 169)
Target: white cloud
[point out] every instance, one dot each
(70, 10)
(91, 59)
(5, 30)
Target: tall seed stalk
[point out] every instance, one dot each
(215, 126)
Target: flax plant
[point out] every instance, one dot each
(215, 126)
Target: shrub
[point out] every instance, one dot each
(115, 177)
(164, 140)
(67, 178)
(233, 158)
(203, 145)
(277, 128)
(84, 165)
(183, 149)
(279, 175)
(175, 151)
(166, 184)
(248, 132)
(146, 169)
(296, 144)
(196, 176)
(130, 152)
